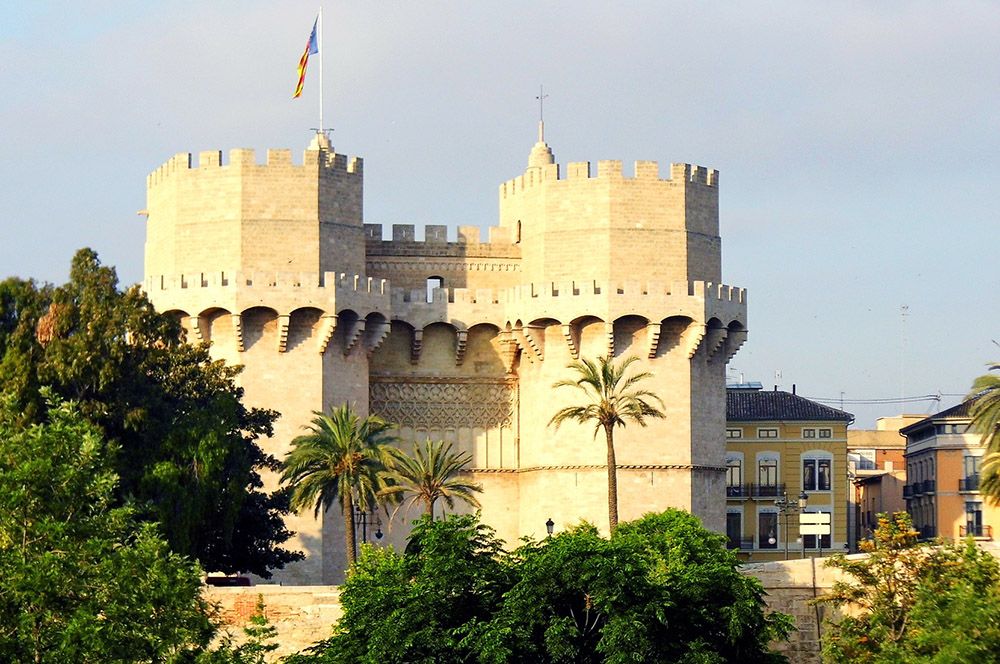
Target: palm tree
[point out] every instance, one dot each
(985, 412)
(610, 401)
(341, 459)
(430, 475)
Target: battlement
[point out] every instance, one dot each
(282, 281)
(246, 158)
(609, 170)
(466, 242)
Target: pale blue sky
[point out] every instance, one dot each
(858, 143)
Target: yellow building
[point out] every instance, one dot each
(779, 445)
(943, 458)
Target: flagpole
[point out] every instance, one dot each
(320, 46)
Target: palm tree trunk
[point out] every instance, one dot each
(612, 480)
(430, 508)
(348, 509)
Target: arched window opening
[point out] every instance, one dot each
(433, 283)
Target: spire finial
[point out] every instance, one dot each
(541, 113)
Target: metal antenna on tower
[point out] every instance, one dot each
(904, 312)
(541, 113)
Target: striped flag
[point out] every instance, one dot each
(312, 46)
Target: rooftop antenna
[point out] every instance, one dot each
(904, 312)
(541, 113)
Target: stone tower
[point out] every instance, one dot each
(462, 340)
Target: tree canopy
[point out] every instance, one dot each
(80, 579)
(914, 604)
(661, 589)
(430, 474)
(186, 445)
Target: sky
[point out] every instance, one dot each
(858, 145)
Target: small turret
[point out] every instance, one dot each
(541, 153)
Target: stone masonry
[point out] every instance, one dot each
(462, 339)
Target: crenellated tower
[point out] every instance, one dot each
(461, 338)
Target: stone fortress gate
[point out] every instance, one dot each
(462, 340)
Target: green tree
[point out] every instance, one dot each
(429, 475)
(80, 579)
(411, 607)
(662, 589)
(342, 461)
(985, 411)
(187, 452)
(610, 399)
(909, 603)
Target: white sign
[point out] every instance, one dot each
(814, 517)
(814, 529)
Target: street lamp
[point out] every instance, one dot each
(549, 527)
(361, 519)
(786, 507)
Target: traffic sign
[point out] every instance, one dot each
(814, 517)
(814, 529)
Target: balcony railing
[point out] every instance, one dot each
(928, 486)
(927, 532)
(970, 483)
(738, 491)
(907, 491)
(741, 543)
(983, 531)
(767, 490)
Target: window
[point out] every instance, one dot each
(809, 541)
(809, 433)
(433, 283)
(767, 472)
(767, 530)
(971, 465)
(734, 433)
(863, 459)
(826, 433)
(974, 519)
(816, 473)
(734, 476)
(767, 433)
(734, 529)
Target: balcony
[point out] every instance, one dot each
(927, 532)
(907, 491)
(928, 486)
(767, 490)
(970, 483)
(738, 491)
(741, 543)
(984, 532)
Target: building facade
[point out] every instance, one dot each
(778, 446)
(462, 338)
(876, 466)
(943, 457)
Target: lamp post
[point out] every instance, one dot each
(786, 507)
(361, 519)
(549, 527)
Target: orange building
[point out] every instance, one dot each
(943, 457)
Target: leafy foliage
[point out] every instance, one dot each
(342, 460)
(80, 579)
(985, 411)
(610, 400)
(662, 589)
(429, 475)
(911, 603)
(186, 444)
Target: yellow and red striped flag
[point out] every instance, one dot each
(312, 46)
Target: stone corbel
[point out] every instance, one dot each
(609, 331)
(571, 341)
(714, 340)
(238, 331)
(194, 322)
(379, 333)
(353, 335)
(327, 326)
(734, 342)
(416, 345)
(692, 337)
(283, 321)
(461, 339)
(652, 338)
